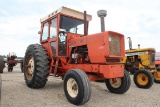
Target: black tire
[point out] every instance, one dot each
(81, 83)
(2, 65)
(157, 77)
(125, 83)
(36, 66)
(143, 79)
(0, 88)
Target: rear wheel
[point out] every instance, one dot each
(156, 77)
(0, 88)
(77, 87)
(143, 79)
(36, 66)
(2, 65)
(119, 85)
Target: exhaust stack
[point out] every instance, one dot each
(102, 14)
(85, 23)
(138, 46)
(130, 42)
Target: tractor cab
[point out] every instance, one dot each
(60, 26)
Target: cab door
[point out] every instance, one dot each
(53, 36)
(49, 35)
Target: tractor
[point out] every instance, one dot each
(141, 63)
(67, 51)
(12, 61)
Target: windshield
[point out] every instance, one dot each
(71, 25)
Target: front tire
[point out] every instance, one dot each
(143, 79)
(77, 87)
(36, 66)
(119, 85)
(156, 77)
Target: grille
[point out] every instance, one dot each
(114, 45)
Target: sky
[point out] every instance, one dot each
(138, 19)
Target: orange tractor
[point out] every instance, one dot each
(68, 51)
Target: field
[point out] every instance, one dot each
(15, 93)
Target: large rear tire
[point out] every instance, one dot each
(2, 65)
(77, 87)
(119, 85)
(0, 88)
(36, 66)
(143, 79)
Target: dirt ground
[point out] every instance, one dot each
(15, 93)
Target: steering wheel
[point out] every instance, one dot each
(62, 36)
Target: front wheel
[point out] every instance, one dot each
(119, 85)
(143, 79)
(77, 87)
(156, 77)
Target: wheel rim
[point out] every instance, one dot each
(115, 82)
(157, 76)
(30, 67)
(142, 79)
(72, 87)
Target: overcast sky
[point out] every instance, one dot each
(138, 19)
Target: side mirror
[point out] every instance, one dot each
(39, 32)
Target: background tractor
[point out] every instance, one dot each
(12, 61)
(68, 51)
(141, 63)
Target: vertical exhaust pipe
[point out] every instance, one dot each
(85, 23)
(138, 46)
(130, 42)
(102, 14)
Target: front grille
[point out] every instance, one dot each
(114, 45)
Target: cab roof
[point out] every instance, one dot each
(67, 11)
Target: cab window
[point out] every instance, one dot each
(72, 25)
(53, 28)
(45, 32)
